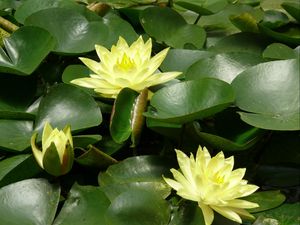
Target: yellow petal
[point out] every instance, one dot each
(161, 78)
(91, 64)
(67, 132)
(91, 82)
(172, 183)
(239, 203)
(208, 213)
(38, 155)
(101, 51)
(228, 213)
(46, 132)
(157, 60)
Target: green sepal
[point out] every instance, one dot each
(51, 161)
(68, 159)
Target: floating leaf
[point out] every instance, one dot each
(266, 200)
(224, 66)
(22, 55)
(94, 157)
(29, 202)
(136, 207)
(85, 205)
(182, 102)
(293, 9)
(130, 174)
(15, 134)
(17, 168)
(205, 7)
(65, 104)
(279, 51)
(74, 31)
(31, 6)
(268, 92)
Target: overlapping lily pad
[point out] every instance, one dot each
(22, 55)
(267, 92)
(190, 100)
(29, 202)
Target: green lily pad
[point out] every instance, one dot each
(274, 19)
(75, 32)
(94, 157)
(182, 102)
(182, 59)
(15, 134)
(205, 7)
(117, 27)
(17, 168)
(241, 42)
(279, 51)
(31, 6)
(288, 34)
(29, 202)
(85, 205)
(286, 214)
(129, 174)
(224, 66)
(188, 213)
(293, 9)
(166, 25)
(65, 104)
(268, 92)
(22, 55)
(83, 141)
(136, 207)
(266, 200)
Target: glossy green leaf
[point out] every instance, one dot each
(268, 92)
(94, 157)
(74, 31)
(279, 51)
(205, 7)
(85, 205)
(65, 104)
(289, 34)
(188, 213)
(15, 134)
(274, 19)
(286, 214)
(293, 9)
(72, 72)
(130, 174)
(83, 141)
(182, 102)
(161, 23)
(182, 59)
(117, 27)
(120, 124)
(29, 7)
(29, 202)
(241, 42)
(166, 25)
(266, 200)
(22, 55)
(136, 207)
(229, 132)
(127, 3)
(187, 35)
(17, 168)
(224, 66)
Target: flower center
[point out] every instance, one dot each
(126, 63)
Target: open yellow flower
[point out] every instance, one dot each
(125, 66)
(214, 184)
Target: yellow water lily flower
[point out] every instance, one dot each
(214, 184)
(125, 66)
(57, 154)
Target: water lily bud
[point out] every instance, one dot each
(212, 182)
(57, 154)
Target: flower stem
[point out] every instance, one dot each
(7, 25)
